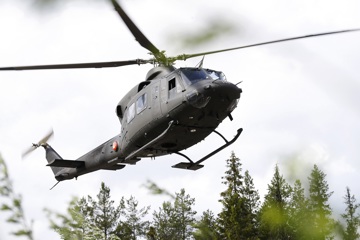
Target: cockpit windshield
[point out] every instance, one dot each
(216, 75)
(193, 75)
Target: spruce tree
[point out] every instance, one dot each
(351, 217)
(251, 201)
(299, 213)
(230, 215)
(206, 227)
(237, 219)
(185, 215)
(274, 214)
(320, 211)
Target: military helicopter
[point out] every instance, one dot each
(171, 110)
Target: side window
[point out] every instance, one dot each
(172, 87)
(141, 103)
(131, 113)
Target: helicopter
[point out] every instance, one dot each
(170, 111)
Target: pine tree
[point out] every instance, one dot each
(164, 222)
(352, 220)
(106, 215)
(321, 222)
(133, 226)
(174, 221)
(274, 214)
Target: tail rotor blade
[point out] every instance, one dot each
(28, 151)
(36, 145)
(47, 137)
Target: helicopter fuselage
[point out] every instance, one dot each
(194, 100)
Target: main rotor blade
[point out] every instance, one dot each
(187, 56)
(77, 65)
(139, 36)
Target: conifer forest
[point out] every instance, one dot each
(287, 211)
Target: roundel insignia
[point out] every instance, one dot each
(115, 146)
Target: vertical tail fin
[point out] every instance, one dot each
(52, 155)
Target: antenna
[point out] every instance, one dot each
(54, 185)
(200, 64)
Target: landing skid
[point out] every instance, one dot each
(196, 165)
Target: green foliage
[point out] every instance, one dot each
(228, 218)
(251, 205)
(78, 223)
(286, 212)
(299, 213)
(175, 220)
(164, 221)
(11, 204)
(214, 30)
(185, 215)
(87, 218)
(151, 234)
(206, 227)
(274, 215)
(320, 211)
(351, 218)
(156, 190)
(133, 227)
(238, 218)
(105, 215)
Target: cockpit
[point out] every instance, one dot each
(216, 75)
(193, 75)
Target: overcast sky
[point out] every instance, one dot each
(300, 102)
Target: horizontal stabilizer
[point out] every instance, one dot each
(114, 167)
(188, 166)
(66, 163)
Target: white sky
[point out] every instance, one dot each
(300, 99)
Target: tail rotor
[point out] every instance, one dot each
(34, 146)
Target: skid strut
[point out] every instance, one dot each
(171, 123)
(196, 165)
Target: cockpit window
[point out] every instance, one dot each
(131, 113)
(193, 75)
(141, 103)
(216, 75)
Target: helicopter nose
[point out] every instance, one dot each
(215, 91)
(197, 98)
(223, 90)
